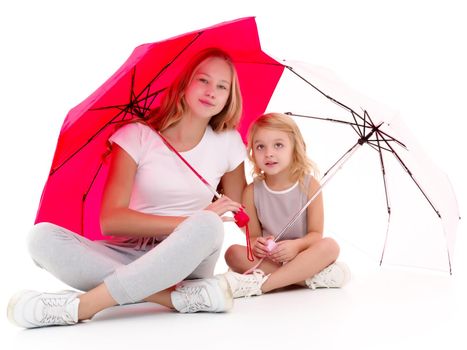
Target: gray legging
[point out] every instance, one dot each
(130, 274)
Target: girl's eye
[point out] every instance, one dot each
(259, 147)
(203, 80)
(279, 145)
(222, 87)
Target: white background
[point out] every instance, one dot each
(410, 55)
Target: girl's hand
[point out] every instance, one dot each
(285, 251)
(260, 249)
(222, 206)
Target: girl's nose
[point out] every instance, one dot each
(209, 92)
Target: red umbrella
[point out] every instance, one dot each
(72, 193)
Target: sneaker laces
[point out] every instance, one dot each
(322, 279)
(55, 311)
(193, 297)
(250, 284)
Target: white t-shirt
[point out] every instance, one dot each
(164, 185)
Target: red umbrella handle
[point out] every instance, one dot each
(242, 219)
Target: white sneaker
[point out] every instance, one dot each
(335, 275)
(246, 285)
(208, 295)
(31, 309)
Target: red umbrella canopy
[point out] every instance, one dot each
(72, 194)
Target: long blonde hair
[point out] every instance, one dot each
(173, 104)
(301, 164)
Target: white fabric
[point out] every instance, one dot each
(164, 185)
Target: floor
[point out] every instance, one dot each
(381, 308)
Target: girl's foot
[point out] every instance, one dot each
(208, 295)
(246, 285)
(31, 309)
(335, 275)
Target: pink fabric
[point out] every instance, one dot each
(72, 195)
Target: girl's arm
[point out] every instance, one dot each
(116, 218)
(257, 241)
(315, 217)
(248, 201)
(233, 183)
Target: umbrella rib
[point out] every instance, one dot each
(148, 86)
(364, 121)
(357, 130)
(146, 89)
(404, 166)
(378, 146)
(386, 192)
(357, 127)
(53, 171)
(122, 107)
(164, 68)
(392, 139)
(340, 104)
(128, 106)
(326, 119)
(125, 109)
(320, 91)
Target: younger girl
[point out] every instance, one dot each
(284, 181)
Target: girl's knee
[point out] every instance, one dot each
(230, 253)
(204, 227)
(38, 237)
(41, 240)
(234, 255)
(209, 227)
(330, 246)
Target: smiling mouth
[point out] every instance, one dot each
(206, 103)
(270, 163)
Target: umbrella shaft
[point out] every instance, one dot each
(329, 175)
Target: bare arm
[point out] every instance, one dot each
(257, 241)
(116, 218)
(234, 182)
(315, 217)
(254, 224)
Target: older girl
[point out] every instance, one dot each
(165, 226)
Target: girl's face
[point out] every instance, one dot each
(209, 89)
(272, 151)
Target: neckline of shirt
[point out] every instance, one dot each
(281, 191)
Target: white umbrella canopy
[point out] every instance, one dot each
(409, 215)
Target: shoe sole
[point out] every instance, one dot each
(227, 291)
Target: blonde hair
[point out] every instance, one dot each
(173, 104)
(301, 164)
